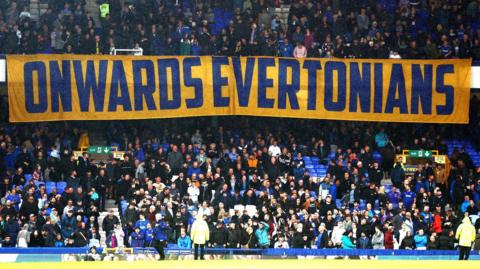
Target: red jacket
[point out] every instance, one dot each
(437, 224)
(388, 240)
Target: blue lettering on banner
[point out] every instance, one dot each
(143, 91)
(312, 66)
(285, 89)
(196, 83)
(421, 89)
(360, 87)
(173, 65)
(119, 80)
(447, 90)
(243, 82)
(341, 70)
(397, 84)
(40, 69)
(60, 86)
(264, 82)
(89, 85)
(378, 88)
(219, 82)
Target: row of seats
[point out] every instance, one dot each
(49, 185)
(469, 149)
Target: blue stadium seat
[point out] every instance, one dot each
(140, 155)
(49, 186)
(166, 147)
(61, 185)
(39, 183)
(10, 161)
(28, 177)
(19, 186)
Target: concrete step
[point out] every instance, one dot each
(282, 10)
(107, 209)
(92, 9)
(109, 205)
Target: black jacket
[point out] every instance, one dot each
(218, 236)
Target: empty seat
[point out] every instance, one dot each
(39, 183)
(10, 161)
(49, 186)
(61, 185)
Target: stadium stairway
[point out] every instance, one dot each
(97, 139)
(35, 9)
(282, 13)
(93, 10)
(109, 205)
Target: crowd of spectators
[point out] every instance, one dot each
(328, 28)
(246, 176)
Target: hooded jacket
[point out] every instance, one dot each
(465, 233)
(200, 233)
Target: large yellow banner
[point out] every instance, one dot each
(76, 87)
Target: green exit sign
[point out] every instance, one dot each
(99, 150)
(420, 153)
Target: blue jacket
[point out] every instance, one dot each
(420, 240)
(464, 206)
(142, 224)
(286, 50)
(184, 242)
(137, 240)
(149, 235)
(363, 243)
(161, 231)
(192, 170)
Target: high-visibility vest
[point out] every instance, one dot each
(104, 10)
